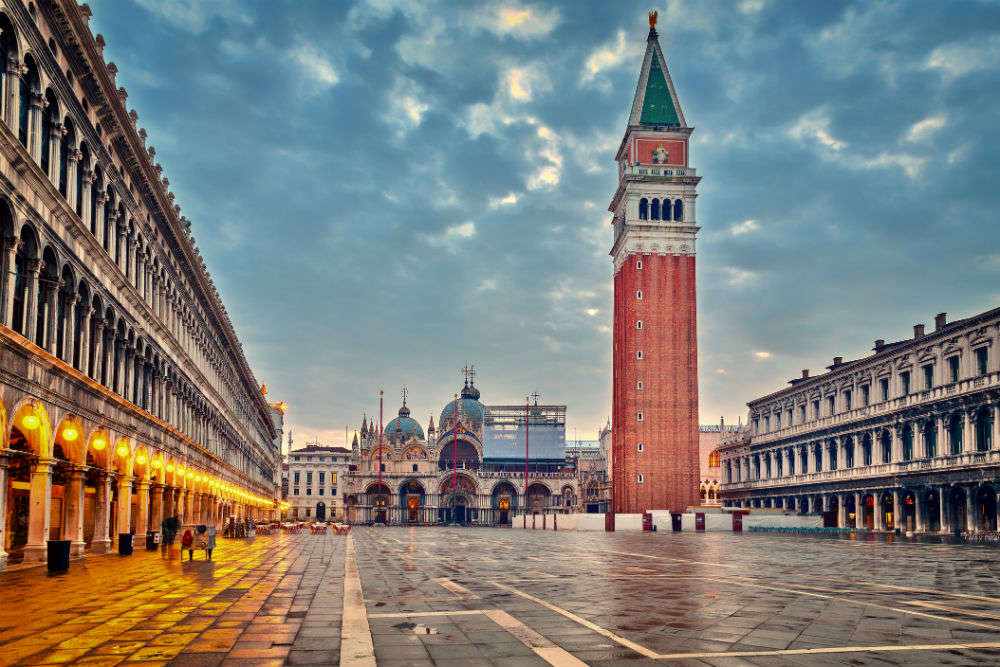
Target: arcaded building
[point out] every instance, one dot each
(124, 392)
(906, 437)
(655, 345)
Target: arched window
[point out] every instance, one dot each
(667, 210)
(95, 191)
(81, 168)
(109, 215)
(984, 426)
(832, 452)
(713, 460)
(886, 447)
(28, 81)
(907, 442)
(8, 50)
(49, 116)
(643, 209)
(866, 446)
(65, 149)
(955, 434)
(654, 213)
(930, 439)
(679, 210)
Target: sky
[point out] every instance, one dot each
(386, 190)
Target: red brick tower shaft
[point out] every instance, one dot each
(655, 356)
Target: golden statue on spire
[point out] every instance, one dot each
(652, 19)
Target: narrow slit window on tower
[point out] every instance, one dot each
(638, 324)
(640, 446)
(638, 417)
(638, 294)
(638, 384)
(640, 478)
(638, 263)
(638, 354)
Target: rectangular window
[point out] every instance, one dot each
(883, 385)
(382, 465)
(816, 409)
(866, 391)
(982, 357)
(847, 399)
(638, 324)
(904, 382)
(295, 492)
(296, 478)
(638, 263)
(415, 465)
(638, 294)
(639, 416)
(638, 384)
(767, 424)
(640, 446)
(308, 511)
(321, 490)
(929, 376)
(322, 478)
(802, 409)
(953, 368)
(638, 354)
(309, 479)
(309, 492)
(830, 405)
(640, 478)
(777, 420)
(296, 458)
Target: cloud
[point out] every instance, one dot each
(610, 55)
(193, 16)
(720, 371)
(592, 311)
(547, 158)
(487, 286)
(518, 82)
(751, 6)
(957, 155)
(744, 227)
(509, 200)
(738, 277)
(315, 66)
(960, 58)
(405, 105)
(908, 163)
(513, 19)
(762, 354)
(450, 239)
(814, 128)
(926, 127)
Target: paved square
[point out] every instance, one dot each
(483, 597)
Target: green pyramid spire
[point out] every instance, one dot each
(657, 105)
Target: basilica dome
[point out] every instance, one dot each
(470, 410)
(406, 425)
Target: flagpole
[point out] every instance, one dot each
(526, 435)
(379, 443)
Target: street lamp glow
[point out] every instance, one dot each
(99, 443)
(69, 433)
(123, 450)
(30, 422)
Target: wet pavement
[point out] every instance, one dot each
(493, 597)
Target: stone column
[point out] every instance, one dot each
(167, 503)
(110, 367)
(944, 495)
(35, 551)
(142, 509)
(73, 511)
(8, 281)
(877, 514)
(968, 434)
(83, 359)
(995, 435)
(120, 257)
(101, 542)
(69, 328)
(125, 374)
(99, 215)
(971, 516)
(98, 343)
(55, 143)
(30, 315)
(35, 126)
(85, 198)
(156, 495)
(196, 508)
(51, 317)
(3, 510)
(124, 504)
(12, 99)
(72, 155)
(897, 510)
(919, 511)
(859, 511)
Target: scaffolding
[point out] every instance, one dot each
(504, 433)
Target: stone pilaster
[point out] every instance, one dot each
(39, 511)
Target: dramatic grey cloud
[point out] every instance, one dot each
(386, 189)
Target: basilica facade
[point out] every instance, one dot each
(125, 396)
(463, 470)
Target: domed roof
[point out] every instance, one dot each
(405, 425)
(470, 410)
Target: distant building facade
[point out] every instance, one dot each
(710, 436)
(469, 469)
(311, 478)
(906, 437)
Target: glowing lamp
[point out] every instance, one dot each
(30, 422)
(99, 443)
(141, 459)
(123, 450)
(70, 433)
(157, 463)
(170, 467)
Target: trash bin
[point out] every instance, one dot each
(152, 540)
(58, 555)
(125, 544)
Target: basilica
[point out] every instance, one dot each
(471, 468)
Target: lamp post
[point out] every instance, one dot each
(379, 445)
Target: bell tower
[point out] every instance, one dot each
(655, 355)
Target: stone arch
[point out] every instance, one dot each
(568, 496)
(538, 496)
(30, 424)
(69, 437)
(121, 461)
(141, 462)
(99, 448)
